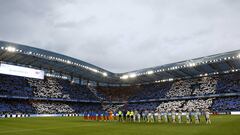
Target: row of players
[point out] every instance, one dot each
(149, 116)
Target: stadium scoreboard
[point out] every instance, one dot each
(21, 71)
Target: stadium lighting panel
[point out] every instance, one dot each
(192, 64)
(105, 74)
(132, 75)
(94, 70)
(150, 72)
(69, 62)
(124, 77)
(11, 49)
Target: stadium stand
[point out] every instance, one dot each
(211, 83)
(63, 89)
(15, 107)
(118, 93)
(14, 86)
(43, 107)
(151, 91)
(228, 83)
(171, 105)
(63, 108)
(151, 106)
(47, 88)
(58, 88)
(226, 104)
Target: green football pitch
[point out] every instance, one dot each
(221, 125)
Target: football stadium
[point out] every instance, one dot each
(122, 67)
(44, 92)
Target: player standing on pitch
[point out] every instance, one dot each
(188, 117)
(135, 116)
(159, 116)
(207, 116)
(120, 116)
(145, 114)
(166, 116)
(139, 116)
(173, 116)
(180, 117)
(196, 116)
(131, 116)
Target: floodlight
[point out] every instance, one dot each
(11, 49)
(68, 61)
(94, 70)
(192, 64)
(150, 72)
(132, 75)
(105, 74)
(124, 77)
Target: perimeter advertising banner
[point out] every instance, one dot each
(21, 71)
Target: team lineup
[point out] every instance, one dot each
(150, 116)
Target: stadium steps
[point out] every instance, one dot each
(94, 91)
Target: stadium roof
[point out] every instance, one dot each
(34, 57)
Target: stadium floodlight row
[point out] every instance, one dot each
(57, 65)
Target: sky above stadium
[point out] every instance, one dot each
(124, 35)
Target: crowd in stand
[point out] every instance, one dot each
(64, 89)
(181, 105)
(226, 104)
(15, 107)
(228, 83)
(204, 86)
(181, 88)
(14, 86)
(150, 91)
(171, 105)
(118, 93)
(58, 88)
(43, 107)
(62, 108)
(142, 106)
(47, 88)
(197, 104)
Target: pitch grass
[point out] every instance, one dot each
(221, 125)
